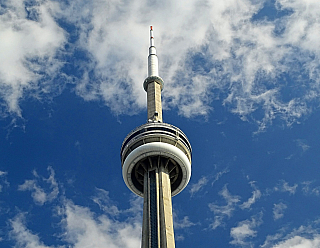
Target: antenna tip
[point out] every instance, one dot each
(151, 28)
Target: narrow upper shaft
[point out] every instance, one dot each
(153, 84)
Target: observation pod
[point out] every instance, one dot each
(155, 145)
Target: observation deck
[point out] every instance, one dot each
(156, 144)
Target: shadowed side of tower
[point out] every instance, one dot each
(156, 163)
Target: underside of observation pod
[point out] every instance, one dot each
(155, 145)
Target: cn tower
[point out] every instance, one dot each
(156, 163)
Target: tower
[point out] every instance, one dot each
(156, 163)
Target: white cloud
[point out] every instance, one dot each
(308, 190)
(39, 194)
(241, 232)
(80, 228)
(284, 186)
(179, 237)
(222, 212)
(181, 225)
(103, 200)
(3, 173)
(3, 180)
(256, 194)
(22, 236)
(84, 229)
(184, 223)
(278, 210)
(303, 144)
(300, 242)
(225, 54)
(238, 56)
(302, 237)
(30, 40)
(194, 188)
(245, 230)
(271, 239)
(204, 180)
(219, 175)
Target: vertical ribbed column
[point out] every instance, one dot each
(157, 229)
(146, 214)
(165, 210)
(154, 102)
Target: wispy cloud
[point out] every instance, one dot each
(3, 173)
(284, 186)
(184, 223)
(256, 194)
(204, 180)
(310, 190)
(302, 144)
(219, 175)
(3, 180)
(245, 230)
(224, 211)
(278, 210)
(40, 194)
(182, 226)
(103, 200)
(198, 186)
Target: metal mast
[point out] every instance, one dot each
(156, 163)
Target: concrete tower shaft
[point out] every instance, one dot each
(156, 163)
(157, 228)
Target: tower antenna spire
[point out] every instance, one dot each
(151, 37)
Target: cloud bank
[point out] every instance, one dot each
(31, 42)
(260, 67)
(104, 222)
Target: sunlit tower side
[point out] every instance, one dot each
(156, 163)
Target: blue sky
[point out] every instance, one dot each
(241, 80)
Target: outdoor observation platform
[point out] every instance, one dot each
(156, 144)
